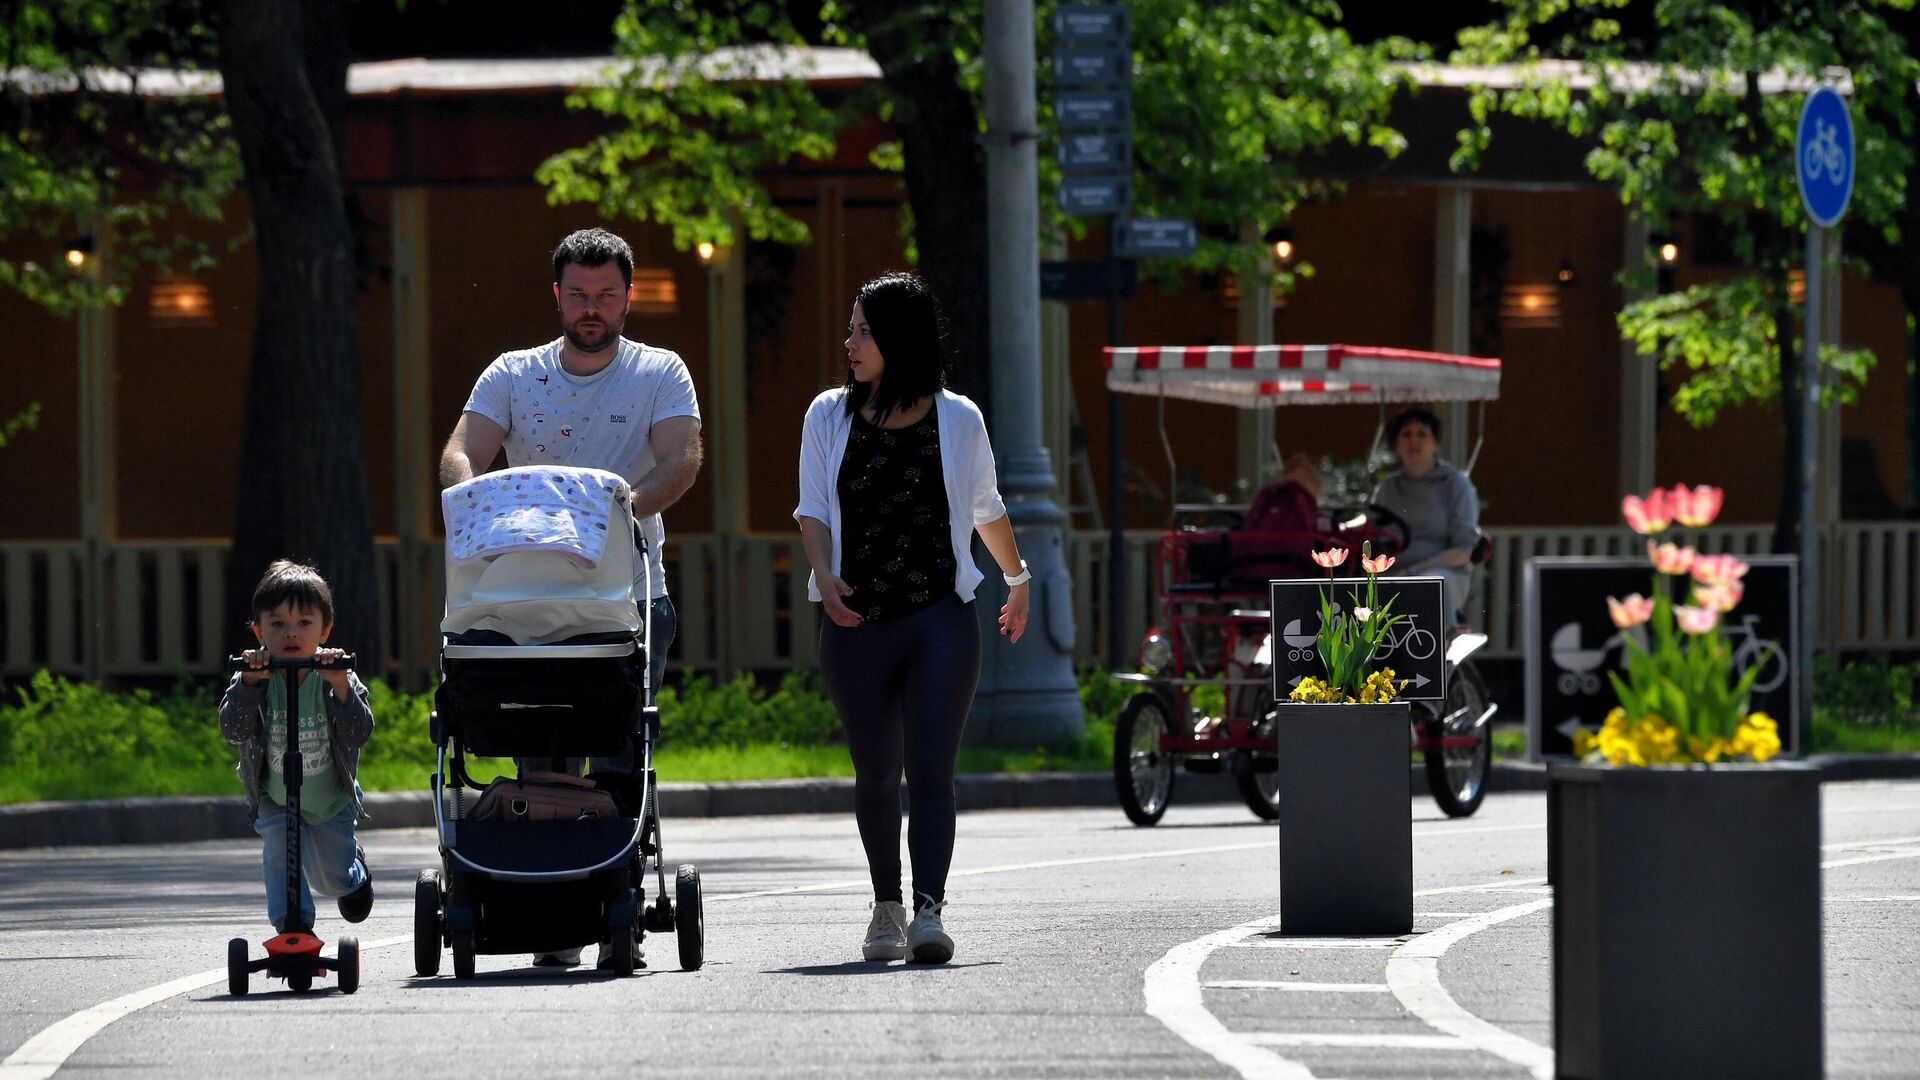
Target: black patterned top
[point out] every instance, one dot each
(897, 549)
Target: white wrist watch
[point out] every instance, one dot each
(1025, 575)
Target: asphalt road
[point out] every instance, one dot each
(1084, 948)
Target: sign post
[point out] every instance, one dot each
(1823, 157)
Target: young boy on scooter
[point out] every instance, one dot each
(292, 617)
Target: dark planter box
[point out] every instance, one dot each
(1686, 923)
(1346, 822)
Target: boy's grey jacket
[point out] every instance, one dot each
(243, 723)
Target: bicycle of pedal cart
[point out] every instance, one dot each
(1203, 699)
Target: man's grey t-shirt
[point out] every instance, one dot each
(600, 421)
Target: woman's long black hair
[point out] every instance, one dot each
(905, 320)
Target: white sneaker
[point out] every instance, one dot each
(886, 932)
(563, 958)
(926, 937)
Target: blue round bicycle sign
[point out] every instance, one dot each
(1823, 156)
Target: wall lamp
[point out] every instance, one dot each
(705, 250)
(79, 250)
(1666, 248)
(1282, 240)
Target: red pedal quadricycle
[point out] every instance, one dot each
(1204, 698)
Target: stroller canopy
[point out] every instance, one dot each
(1262, 376)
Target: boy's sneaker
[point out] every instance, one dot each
(562, 958)
(355, 905)
(926, 937)
(886, 932)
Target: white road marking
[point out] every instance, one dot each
(1413, 974)
(42, 1055)
(1174, 998)
(1307, 987)
(1871, 899)
(1363, 1042)
(1317, 943)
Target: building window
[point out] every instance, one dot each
(181, 302)
(654, 291)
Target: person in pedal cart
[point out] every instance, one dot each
(1203, 696)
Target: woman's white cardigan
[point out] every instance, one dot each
(966, 464)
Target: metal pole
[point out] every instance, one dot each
(1116, 490)
(1809, 464)
(1027, 692)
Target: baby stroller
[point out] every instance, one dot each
(546, 659)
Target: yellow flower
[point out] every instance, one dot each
(1757, 738)
(1380, 687)
(1315, 691)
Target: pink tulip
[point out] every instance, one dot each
(1696, 620)
(1377, 565)
(1649, 515)
(1718, 569)
(1698, 507)
(1670, 558)
(1722, 597)
(1632, 611)
(1330, 558)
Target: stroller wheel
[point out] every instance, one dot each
(237, 967)
(301, 982)
(626, 952)
(426, 923)
(463, 955)
(690, 921)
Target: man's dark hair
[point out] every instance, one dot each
(593, 247)
(1418, 412)
(905, 320)
(299, 587)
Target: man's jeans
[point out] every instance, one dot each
(326, 850)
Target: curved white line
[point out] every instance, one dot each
(1174, 999)
(1413, 974)
(43, 1055)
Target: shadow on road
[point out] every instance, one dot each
(872, 967)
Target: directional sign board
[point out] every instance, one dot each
(1145, 238)
(1416, 647)
(1823, 156)
(1093, 110)
(1089, 279)
(1100, 152)
(1099, 196)
(1093, 25)
(1572, 644)
(1093, 67)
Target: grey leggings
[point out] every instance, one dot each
(903, 689)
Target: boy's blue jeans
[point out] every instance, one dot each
(333, 868)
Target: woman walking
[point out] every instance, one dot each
(896, 474)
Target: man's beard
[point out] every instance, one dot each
(607, 339)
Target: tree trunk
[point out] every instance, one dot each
(302, 481)
(946, 178)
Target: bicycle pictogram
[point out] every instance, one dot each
(1824, 159)
(1410, 639)
(1581, 666)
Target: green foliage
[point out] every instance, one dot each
(1692, 121)
(1228, 101)
(1864, 692)
(1101, 696)
(85, 154)
(64, 739)
(14, 426)
(706, 96)
(740, 713)
(1725, 336)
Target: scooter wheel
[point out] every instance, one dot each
(349, 964)
(237, 967)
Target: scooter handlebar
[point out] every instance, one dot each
(293, 663)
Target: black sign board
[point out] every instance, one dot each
(1095, 195)
(1095, 25)
(1145, 238)
(1571, 642)
(1093, 110)
(1416, 647)
(1093, 67)
(1109, 152)
(1089, 279)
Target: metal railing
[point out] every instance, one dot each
(742, 599)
